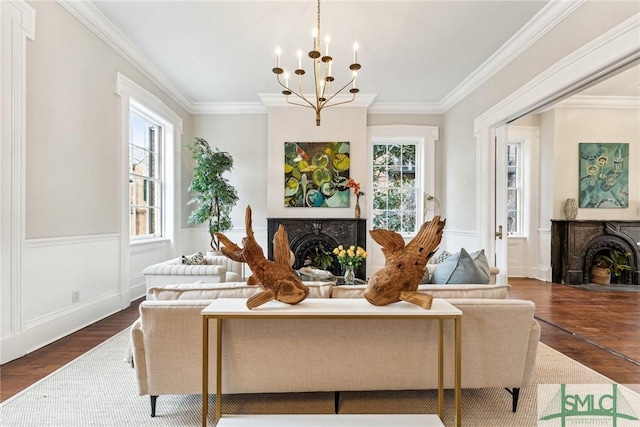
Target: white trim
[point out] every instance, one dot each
(279, 100)
(89, 15)
(603, 102)
(406, 108)
(550, 16)
(228, 108)
(616, 48)
(23, 20)
(426, 138)
(70, 240)
(134, 95)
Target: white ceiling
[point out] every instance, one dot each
(425, 53)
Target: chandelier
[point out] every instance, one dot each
(322, 76)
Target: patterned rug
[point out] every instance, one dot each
(99, 389)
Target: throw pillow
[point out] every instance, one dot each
(461, 268)
(195, 259)
(482, 262)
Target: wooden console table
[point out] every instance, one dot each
(327, 308)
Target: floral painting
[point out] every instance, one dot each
(316, 174)
(604, 175)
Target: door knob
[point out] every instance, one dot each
(499, 232)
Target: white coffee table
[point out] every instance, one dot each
(326, 308)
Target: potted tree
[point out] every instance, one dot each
(212, 192)
(607, 264)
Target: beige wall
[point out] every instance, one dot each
(573, 126)
(73, 128)
(245, 138)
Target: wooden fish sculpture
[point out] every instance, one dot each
(276, 278)
(404, 265)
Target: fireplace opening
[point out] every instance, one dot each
(308, 236)
(605, 246)
(310, 247)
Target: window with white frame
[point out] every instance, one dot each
(146, 184)
(150, 134)
(514, 189)
(395, 187)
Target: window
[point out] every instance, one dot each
(514, 189)
(402, 172)
(150, 135)
(145, 176)
(395, 188)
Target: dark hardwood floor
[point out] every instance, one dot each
(600, 329)
(21, 373)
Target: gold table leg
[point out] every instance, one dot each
(440, 372)
(219, 370)
(205, 370)
(458, 371)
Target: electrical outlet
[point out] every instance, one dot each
(75, 296)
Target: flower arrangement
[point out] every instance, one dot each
(351, 256)
(356, 187)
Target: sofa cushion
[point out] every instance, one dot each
(209, 291)
(461, 268)
(195, 259)
(437, 291)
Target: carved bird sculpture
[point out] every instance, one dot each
(404, 265)
(276, 278)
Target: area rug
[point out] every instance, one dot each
(99, 389)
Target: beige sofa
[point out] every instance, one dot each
(499, 344)
(215, 269)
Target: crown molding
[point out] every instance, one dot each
(551, 15)
(362, 100)
(87, 13)
(406, 108)
(601, 102)
(228, 108)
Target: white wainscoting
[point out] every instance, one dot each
(517, 259)
(142, 255)
(52, 270)
(541, 270)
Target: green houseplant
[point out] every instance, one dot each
(212, 192)
(612, 262)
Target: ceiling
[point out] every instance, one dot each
(426, 54)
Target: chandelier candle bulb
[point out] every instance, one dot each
(327, 39)
(278, 52)
(355, 53)
(299, 59)
(314, 33)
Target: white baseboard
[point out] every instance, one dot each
(57, 325)
(541, 273)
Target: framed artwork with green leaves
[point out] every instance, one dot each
(316, 174)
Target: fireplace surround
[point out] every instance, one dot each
(307, 234)
(575, 244)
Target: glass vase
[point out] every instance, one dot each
(349, 275)
(357, 209)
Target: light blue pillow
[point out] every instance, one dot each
(462, 268)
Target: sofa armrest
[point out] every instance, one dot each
(139, 357)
